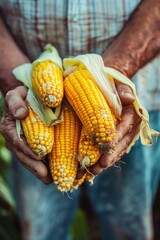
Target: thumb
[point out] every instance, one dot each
(15, 100)
(125, 93)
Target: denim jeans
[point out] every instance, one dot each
(122, 197)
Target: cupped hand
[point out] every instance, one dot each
(126, 130)
(16, 108)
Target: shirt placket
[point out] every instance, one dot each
(74, 27)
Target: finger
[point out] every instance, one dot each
(13, 142)
(20, 145)
(80, 173)
(108, 160)
(39, 169)
(125, 93)
(121, 148)
(36, 167)
(127, 123)
(15, 100)
(129, 120)
(47, 180)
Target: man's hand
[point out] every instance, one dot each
(16, 108)
(126, 131)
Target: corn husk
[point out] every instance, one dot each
(95, 66)
(105, 78)
(145, 133)
(23, 73)
(46, 114)
(50, 54)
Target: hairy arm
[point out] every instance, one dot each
(11, 57)
(138, 42)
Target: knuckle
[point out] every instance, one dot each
(10, 97)
(130, 127)
(16, 141)
(9, 94)
(129, 109)
(127, 142)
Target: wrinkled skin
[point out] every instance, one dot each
(16, 108)
(14, 100)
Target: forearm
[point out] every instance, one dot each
(10, 57)
(138, 42)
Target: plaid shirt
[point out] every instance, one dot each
(75, 27)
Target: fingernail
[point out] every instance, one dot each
(20, 111)
(128, 95)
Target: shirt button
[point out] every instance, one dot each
(74, 19)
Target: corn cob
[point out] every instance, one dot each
(90, 105)
(86, 177)
(78, 182)
(47, 81)
(88, 153)
(39, 137)
(63, 161)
